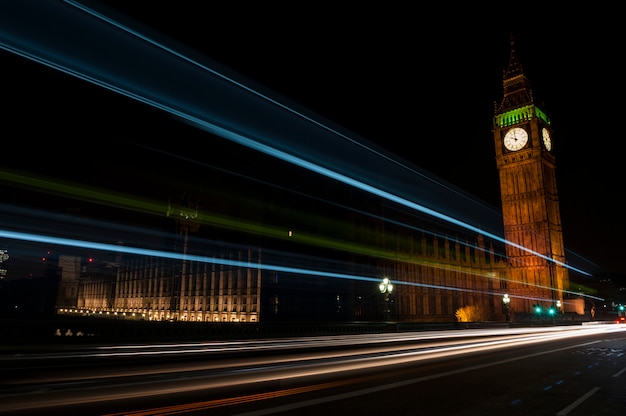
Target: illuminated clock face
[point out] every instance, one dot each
(515, 139)
(547, 141)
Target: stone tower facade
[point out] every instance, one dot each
(530, 206)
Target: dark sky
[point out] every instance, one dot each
(423, 85)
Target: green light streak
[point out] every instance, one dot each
(146, 206)
(67, 189)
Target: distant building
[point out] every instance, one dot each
(4, 257)
(227, 283)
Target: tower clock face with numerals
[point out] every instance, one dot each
(547, 140)
(515, 139)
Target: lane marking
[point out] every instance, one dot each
(577, 402)
(620, 372)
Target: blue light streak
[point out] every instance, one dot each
(194, 92)
(68, 242)
(216, 260)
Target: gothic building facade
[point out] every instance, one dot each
(436, 275)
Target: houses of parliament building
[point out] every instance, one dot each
(431, 276)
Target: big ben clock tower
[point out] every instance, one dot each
(532, 222)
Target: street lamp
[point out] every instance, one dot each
(552, 283)
(386, 288)
(505, 301)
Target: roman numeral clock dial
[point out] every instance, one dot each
(547, 140)
(515, 139)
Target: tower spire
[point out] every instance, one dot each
(514, 68)
(517, 91)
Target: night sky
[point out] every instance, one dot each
(420, 84)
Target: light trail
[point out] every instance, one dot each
(170, 255)
(60, 388)
(260, 123)
(156, 208)
(191, 257)
(214, 260)
(146, 206)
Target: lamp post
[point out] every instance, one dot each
(505, 301)
(386, 288)
(552, 283)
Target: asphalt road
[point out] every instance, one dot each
(563, 371)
